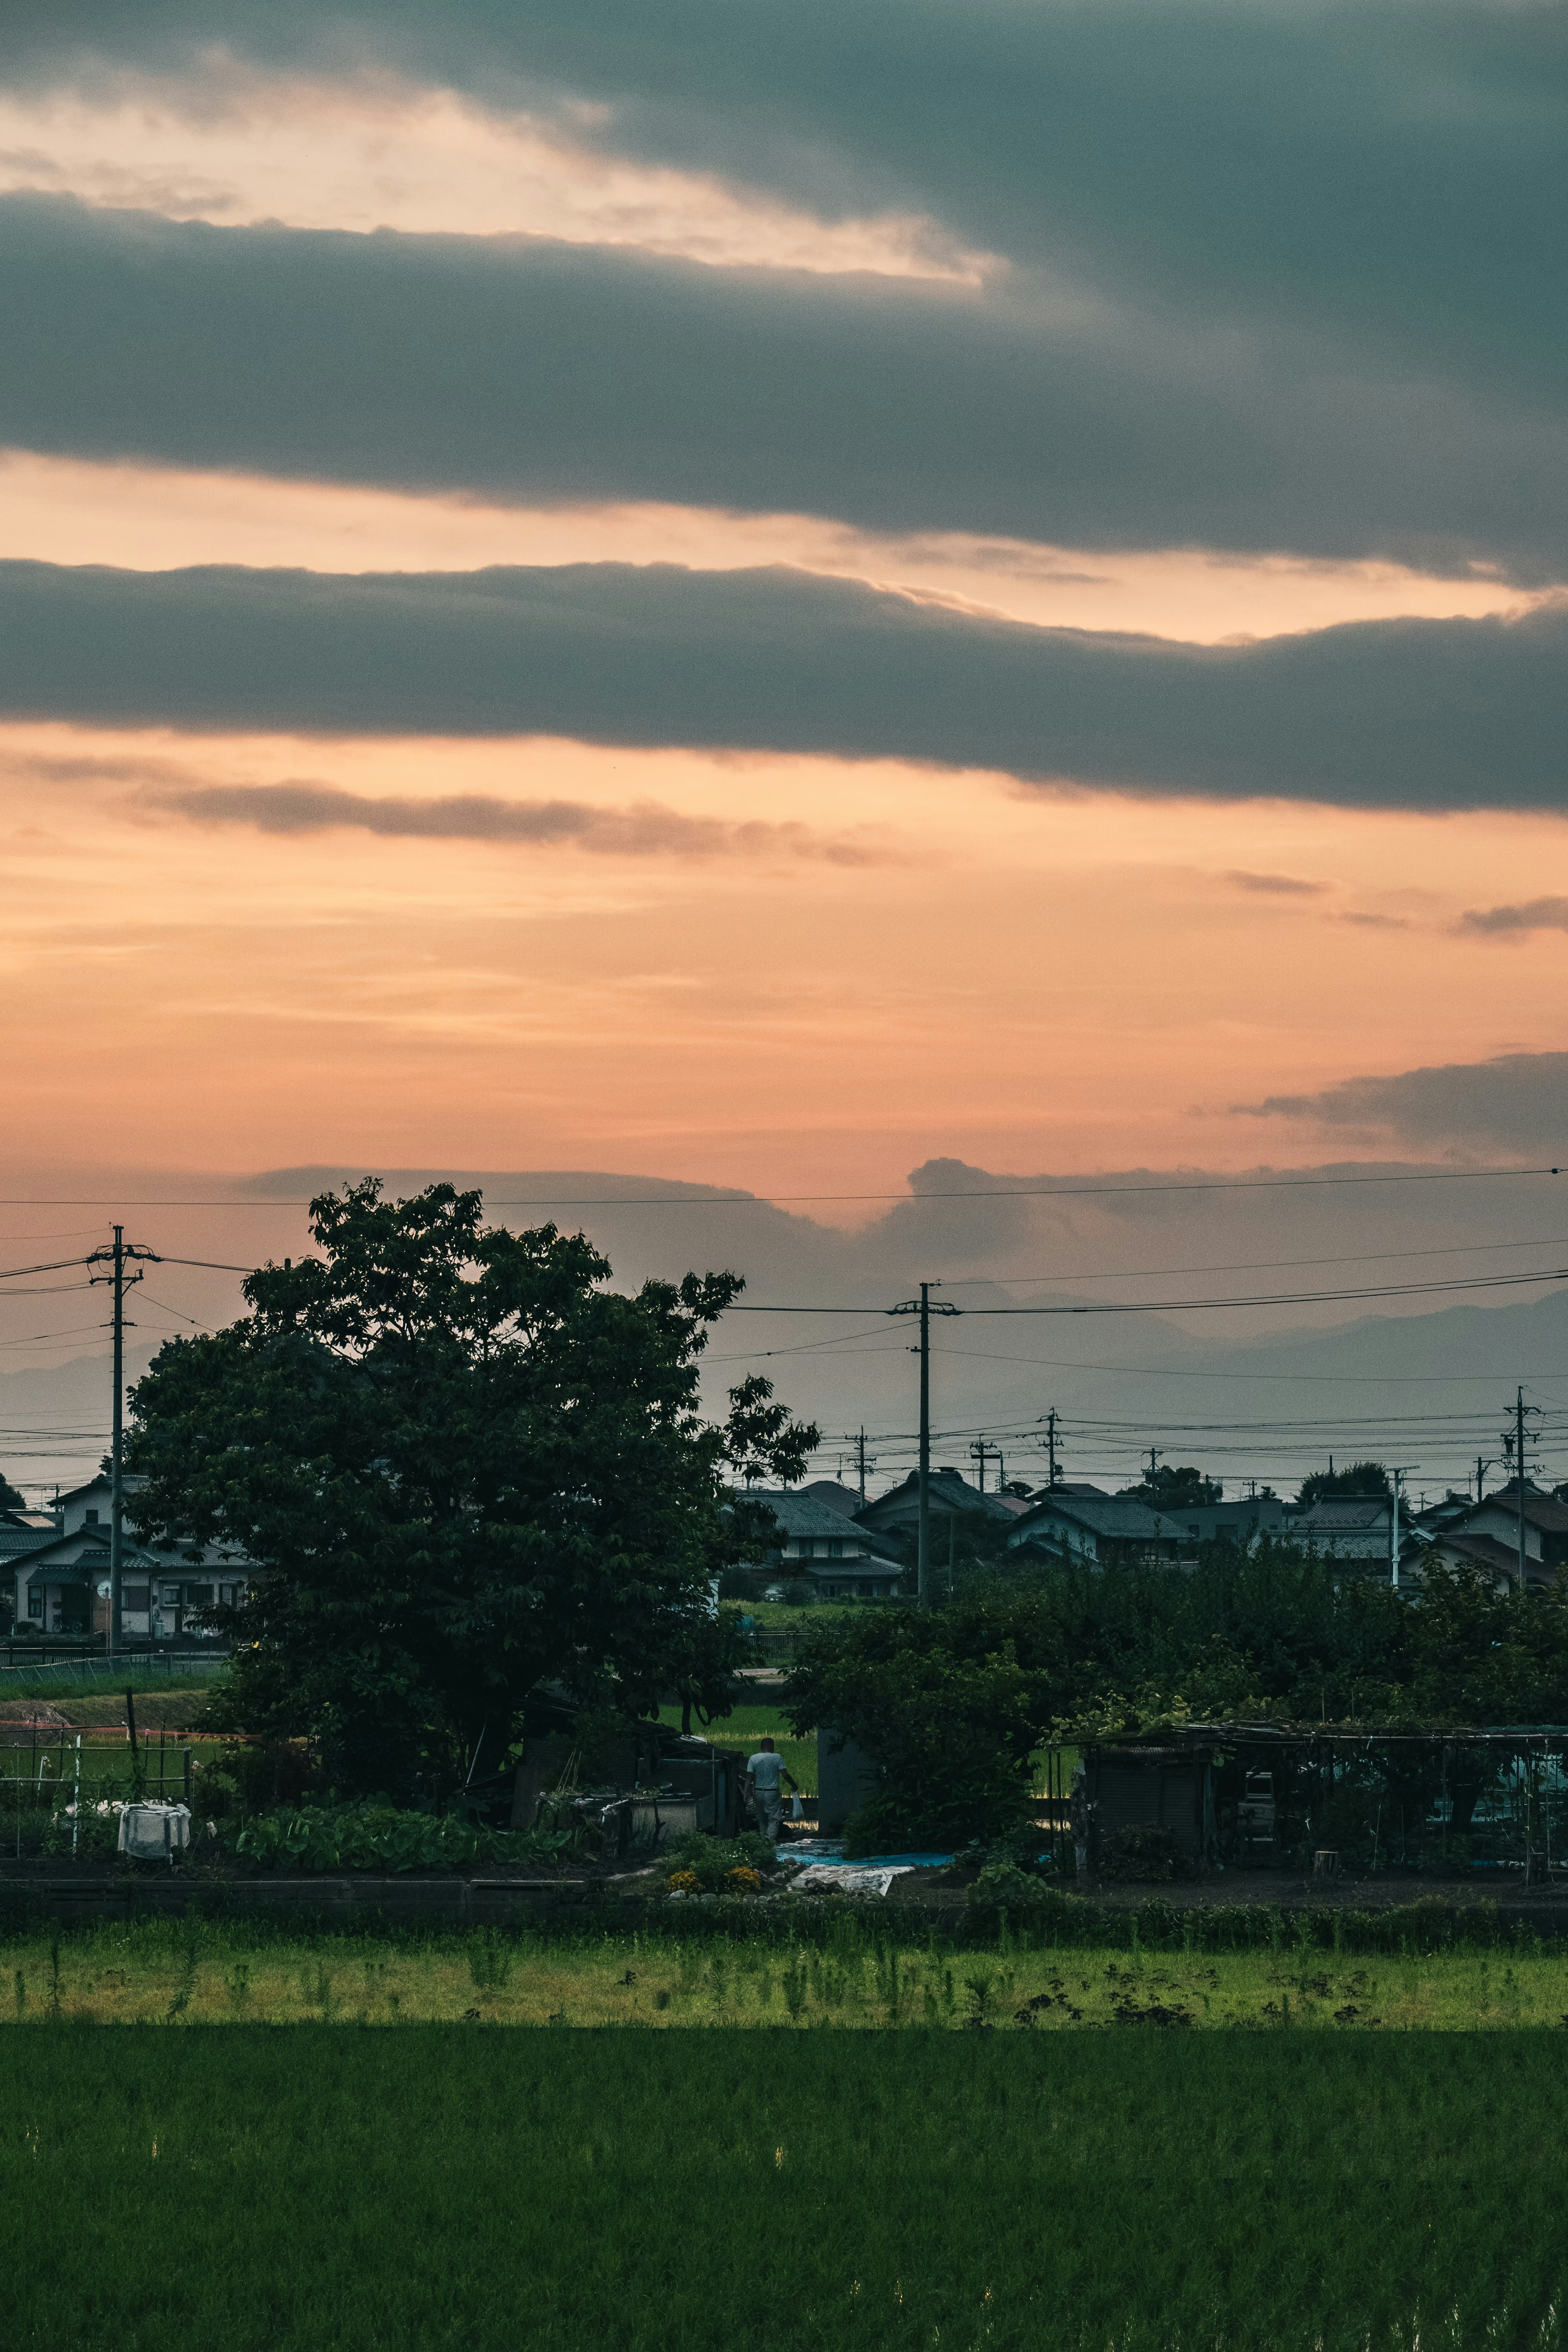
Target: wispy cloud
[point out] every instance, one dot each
(1515, 922)
(1276, 885)
(646, 829)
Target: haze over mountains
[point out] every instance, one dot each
(1262, 1391)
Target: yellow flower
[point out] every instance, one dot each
(684, 1882)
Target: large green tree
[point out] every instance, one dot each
(462, 1467)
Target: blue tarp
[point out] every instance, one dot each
(868, 1861)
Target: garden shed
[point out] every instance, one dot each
(1224, 1796)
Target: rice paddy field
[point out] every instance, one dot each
(445, 2185)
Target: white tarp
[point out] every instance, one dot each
(154, 1832)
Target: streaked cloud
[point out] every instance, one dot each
(1510, 1102)
(1515, 922)
(1418, 714)
(1276, 885)
(894, 405)
(1389, 174)
(374, 153)
(154, 518)
(300, 806)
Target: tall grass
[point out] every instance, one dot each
(128, 1972)
(78, 1677)
(559, 2191)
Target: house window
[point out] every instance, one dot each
(170, 1596)
(198, 1596)
(137, 1598)
(36, 1603)
(90, 1518)
(835, 1548)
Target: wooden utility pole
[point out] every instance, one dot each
(116, 1257)
(1519, 1465)
(923, 1307)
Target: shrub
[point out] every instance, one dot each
(710, 1862)
(373, 1836)
(1144, 1852)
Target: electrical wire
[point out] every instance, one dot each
(1190, 1305)
(768, 1201)
(1264, 1264)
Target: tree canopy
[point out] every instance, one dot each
(949, 1704)
(1362, 1480)
(463, 1467)
(1169, 1487)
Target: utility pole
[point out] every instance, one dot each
(984, 1453)
(925, 1309)
(861, 1450)
(1519, 1465)
(1482, 1466)
(1050, 1445)
(1154, 1462)
(1395, 1476)
(115, 1257)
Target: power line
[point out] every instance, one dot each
(768, 1201)
(1193, 1306)
(1266, 1265)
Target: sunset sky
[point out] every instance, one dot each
(767, 595)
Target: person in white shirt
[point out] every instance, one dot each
(764, 1771)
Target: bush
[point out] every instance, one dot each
(1143, 1852)
(1002, 1888)
(381, 1837)
(706, 1864)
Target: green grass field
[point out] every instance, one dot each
(330, 2191)
(108, 1678)
(247, 1973)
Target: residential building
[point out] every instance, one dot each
(897, 1513)
(62, 1585)
(818, 1541)
(1486, 1538)
(1086, 1524)
(842, 1499)
(1236, 1522)
(1345, 1528)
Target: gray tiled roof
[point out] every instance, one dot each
(802, 1514)
(1114, 1517)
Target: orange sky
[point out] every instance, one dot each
(792, 974)
(1022, 978)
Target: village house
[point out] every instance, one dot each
(1087, 1525)
(1485, 1538)
(62, 1581)
(1345, 1528)
(817, 1542)
(948, 1492)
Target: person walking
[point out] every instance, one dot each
(764, 1771)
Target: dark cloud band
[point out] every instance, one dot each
(1392, 173)
(525, 371)
(1414, 714)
